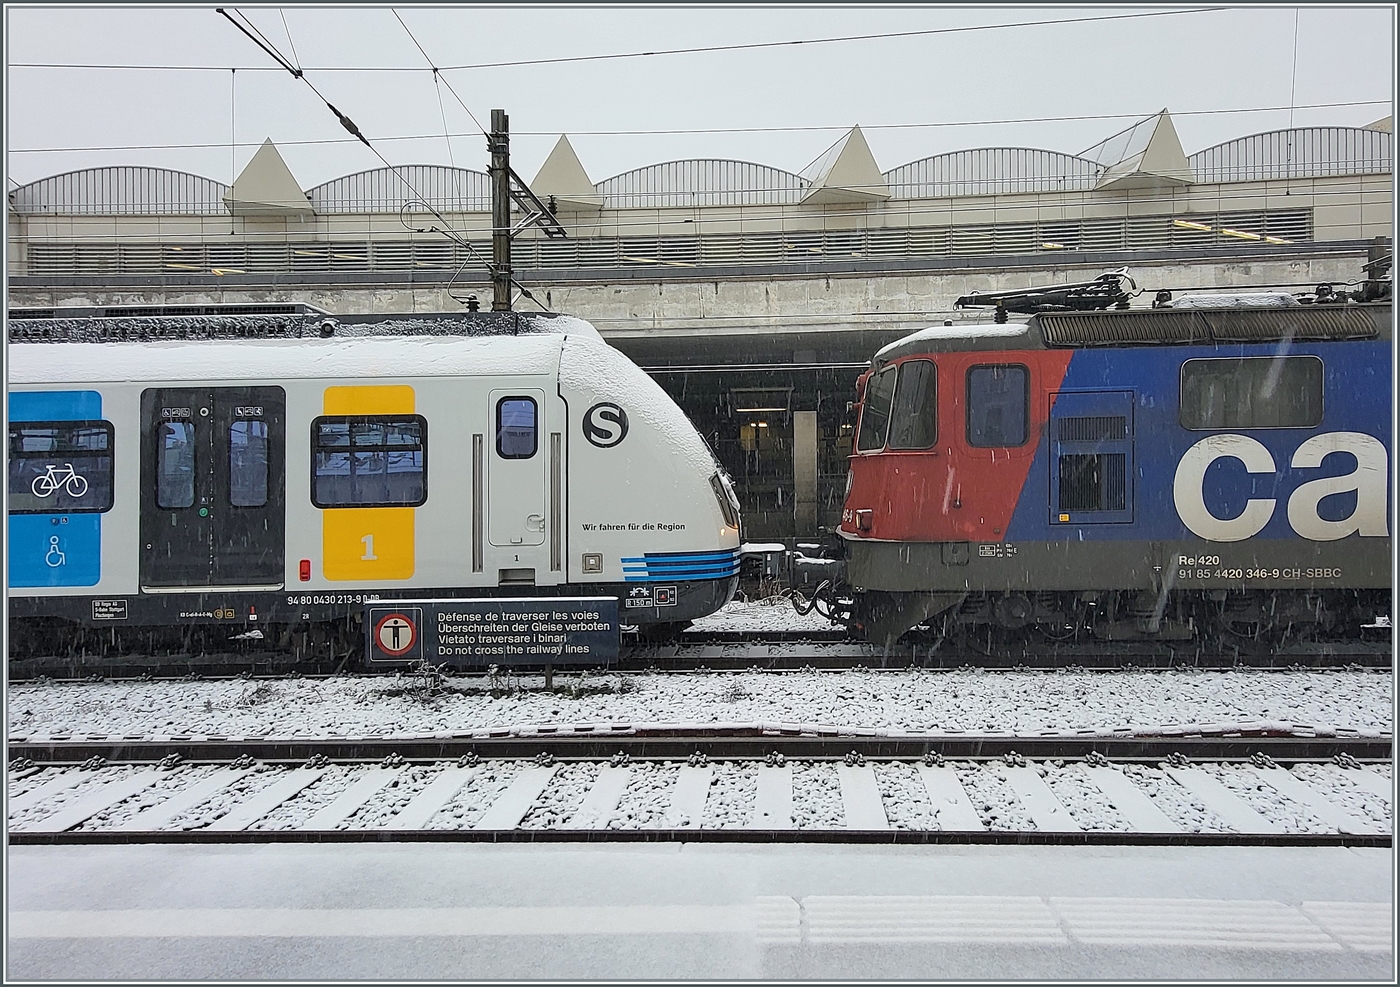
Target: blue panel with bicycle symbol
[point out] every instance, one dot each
(67, 469)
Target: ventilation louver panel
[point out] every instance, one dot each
(1314, 322)
(1094, 482)
(1205, 325)
(1109, 328)
(1097, 428)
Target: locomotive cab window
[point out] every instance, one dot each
(998, 397)
(1252, 392)
(914, 420)
(875, 416)
(517, 427)
(369, 461)
(60, 467)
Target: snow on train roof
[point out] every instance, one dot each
(969, 332)
(213, 325)
(281, 359)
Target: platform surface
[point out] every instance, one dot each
(340, 912)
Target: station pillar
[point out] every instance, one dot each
(804, 473)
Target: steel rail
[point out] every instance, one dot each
(735, 650)
(723, 742)
(751, 836)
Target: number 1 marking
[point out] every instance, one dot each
(369, 555)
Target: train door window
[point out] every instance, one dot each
(875, 416)
(175, 464)
(247, 463)
(516, 431)
(60, 467)
(1252, 392)
(914, 420)
(369, 461)
(997, 400)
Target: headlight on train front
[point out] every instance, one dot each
(728, 503)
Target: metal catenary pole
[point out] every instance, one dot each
(499, 145)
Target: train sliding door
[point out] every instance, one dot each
(517, 477)
(213, 487)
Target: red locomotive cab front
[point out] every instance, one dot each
(896, 437)
(944, 442)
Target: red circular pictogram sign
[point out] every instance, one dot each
(395, 634)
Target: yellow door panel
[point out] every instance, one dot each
(375, 399)
(367, 543)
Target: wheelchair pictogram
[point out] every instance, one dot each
(55, 556)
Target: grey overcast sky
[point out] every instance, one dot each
(1214, 59)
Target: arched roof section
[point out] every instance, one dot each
(701, 182)
(121, 190)
(1302, 152)
(991, 171)
(387, 190)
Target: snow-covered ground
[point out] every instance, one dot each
(969, 700)
(772, 614)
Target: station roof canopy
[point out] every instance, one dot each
(563, 177)
(266, 187)
(388, 190)
(1146, 155)
(701, 182)
(845, 172)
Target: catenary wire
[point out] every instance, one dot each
(651, 54)
(350, 126)
(714, 130)
(524, 291)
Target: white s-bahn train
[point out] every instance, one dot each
(288, 481)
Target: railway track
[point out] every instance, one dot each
(685, 783)
(742, 650)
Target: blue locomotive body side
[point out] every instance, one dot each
(1323, 477)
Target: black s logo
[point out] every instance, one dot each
(605, 425)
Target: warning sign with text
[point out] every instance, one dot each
(478, 633)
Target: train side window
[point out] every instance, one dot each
(875, 416)
(914, 420)
(175, 465)
(369, 461)
(60, 467)
(1252, 392)
(516, 428)
(247, 463)
(998, 397)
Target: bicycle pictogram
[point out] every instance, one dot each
(54, 479)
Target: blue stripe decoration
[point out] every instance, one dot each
(55, 406)
(680, 566)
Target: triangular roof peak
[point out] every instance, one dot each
(1383, 125)
(1146, 155)
(845, 172)
(562, 175)
(266, 187)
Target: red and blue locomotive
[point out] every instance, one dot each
(1162, 474)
